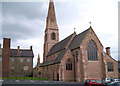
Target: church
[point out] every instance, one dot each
(75, 58)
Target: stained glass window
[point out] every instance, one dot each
(69, 64)
(92, 51)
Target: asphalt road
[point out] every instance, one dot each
(39, 83)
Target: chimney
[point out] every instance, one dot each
(6, 43)
(18, 50)
(5, 57)
(108, 51)
(31, 48)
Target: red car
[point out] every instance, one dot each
(93, 82)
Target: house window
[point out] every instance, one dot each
(21, 59)
(53, 36)
(13, 60)
(12, 68)
(92, 51)
(110, 66)
(76, 56)
(28, 60)
(69, 64)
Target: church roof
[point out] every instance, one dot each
(60, 45)
(60, 56)
(77, 40)
(23, 53)
(57, 60)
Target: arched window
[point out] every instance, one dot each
(76, 56)
(92, 51)
(53, 36)
(69, 64)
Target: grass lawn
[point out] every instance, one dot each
(23, 78)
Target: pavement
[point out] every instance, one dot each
(39, 83)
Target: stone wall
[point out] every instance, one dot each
(92, 69)
(21, 69)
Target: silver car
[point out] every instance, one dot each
(107, 80)
(116, 80)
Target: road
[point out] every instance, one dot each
(39, 83)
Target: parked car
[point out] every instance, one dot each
(107, 80)
(114, 84)
(116, 80)
(93, 82)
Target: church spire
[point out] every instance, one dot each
(51, 36)
(51, 18)
(38, 61)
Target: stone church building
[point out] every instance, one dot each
(77, 57)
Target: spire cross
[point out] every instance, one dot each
(74, 29)
(90, 23)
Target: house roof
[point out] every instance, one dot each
(23, 53)
(60, 45)
(77, 40)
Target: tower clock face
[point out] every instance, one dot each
(25, 68)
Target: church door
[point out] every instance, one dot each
(57, 76)
(53, 75)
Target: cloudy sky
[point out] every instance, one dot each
(25, 22)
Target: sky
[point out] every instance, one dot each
(25, 22)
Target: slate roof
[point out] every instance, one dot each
(77, 40)
(23, 53)
(57, 60)
(47, 63)
(60, 45)
(60, 56)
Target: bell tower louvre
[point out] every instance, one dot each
(51, 36)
